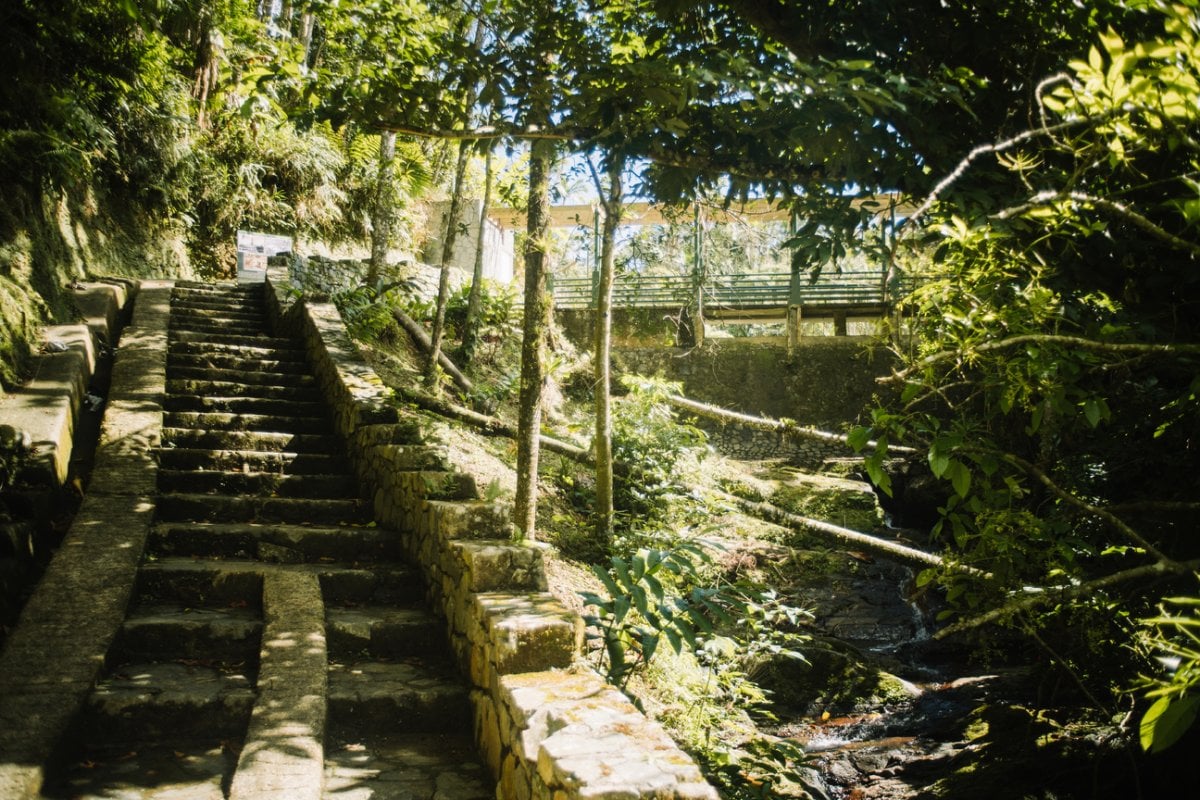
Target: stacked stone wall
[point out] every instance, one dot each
(549, 727)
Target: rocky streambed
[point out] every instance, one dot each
(884, 711)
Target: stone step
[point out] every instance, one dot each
(261, 423)
(405, 766)
(292, 510)
(212, 388)
(190, 287)
(197, 770)
(411, 695)
(221, 312)
(382, 632)
(193, 301)
(276, 543)
(210, 582)
(242, 405)
(263, 340)
(290, 378)
(281, 462)
(167, 701)
(157, 631)
(257, 483)
(287, 353)
(217, 328)
(235, 361)
(266, 441)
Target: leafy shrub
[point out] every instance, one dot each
(648, 440)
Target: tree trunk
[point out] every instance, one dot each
(443, 298)
(602, 345)
(537, 314)
(382, 211)
(470, 336)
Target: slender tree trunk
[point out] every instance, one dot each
(470, 336)
(382, 212)
(537, 317)
(439, 319)
(307, 24)
(443, 298)
(601, 351)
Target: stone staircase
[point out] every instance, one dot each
(277, 645)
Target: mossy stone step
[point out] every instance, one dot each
(184, 287)
(405, 766)
(282, 462)
(382, 631)
(235, 361)
(157, 631)
(162, 701)
(245, 310)
(286, 353)
(263, 340)
(289, 377)
(293, 510)
(275, 543)
(408, 696)
(213, 582)
(266, 441)
(249, 304)
(257, 483)
(269, 423)
(213, 388)
(242, 405)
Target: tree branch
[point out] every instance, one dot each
(1120, 210)
(909, 555)
(786, 428)
(1102, 513)
(1079, 342)
(1032, 601)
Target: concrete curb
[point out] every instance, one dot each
(53, 657)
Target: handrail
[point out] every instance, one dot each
(735, 292)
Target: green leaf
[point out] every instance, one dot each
(1166, 721)
(938, 462)
(1091, 410)
(858, 437)
(960, 478)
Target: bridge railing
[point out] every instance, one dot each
(744, 291)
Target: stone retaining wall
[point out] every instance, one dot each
(548, 727)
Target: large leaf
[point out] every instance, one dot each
(1167, 720)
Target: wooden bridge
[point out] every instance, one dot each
(751, 297)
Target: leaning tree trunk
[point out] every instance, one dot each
(537, 316)
(383, 209)
(470, 336)
(443, 298)
(602, 352)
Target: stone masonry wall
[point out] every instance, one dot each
(548, 727)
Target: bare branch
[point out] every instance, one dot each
(786, 428)
(1041, 598)
(1102, 513)
(910, 555)
(1078, 342)
(1049, 197)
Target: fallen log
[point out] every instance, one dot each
(784, 427)
(423, 341)
(910, 555)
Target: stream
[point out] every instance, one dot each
(884, 711)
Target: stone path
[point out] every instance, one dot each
(275, 644)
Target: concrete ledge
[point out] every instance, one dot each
(44, 411)
(54, 655)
